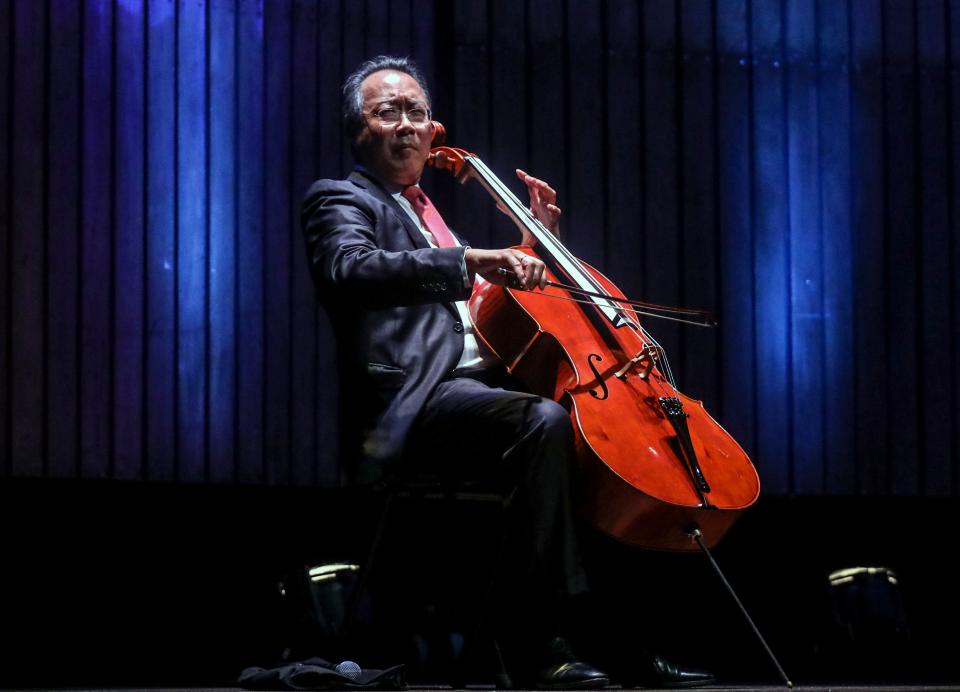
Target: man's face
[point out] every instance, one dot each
(395, 150)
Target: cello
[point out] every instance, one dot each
(658, 471)
(656, 467)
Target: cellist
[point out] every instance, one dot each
(418, 387)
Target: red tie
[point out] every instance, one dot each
(429, 216)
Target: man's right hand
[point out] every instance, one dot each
(529, 271)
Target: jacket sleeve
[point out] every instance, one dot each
(347, 263)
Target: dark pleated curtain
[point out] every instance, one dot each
(791, 165)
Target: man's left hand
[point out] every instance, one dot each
(543, 202)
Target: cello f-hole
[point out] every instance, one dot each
(604, 392)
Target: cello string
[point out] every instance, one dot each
(667, 370)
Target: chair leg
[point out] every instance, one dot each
(366, 569)
(502, 676)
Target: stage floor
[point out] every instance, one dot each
(182, 609)
(712, 688)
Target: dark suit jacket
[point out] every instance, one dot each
(389, 297)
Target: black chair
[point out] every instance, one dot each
(449, 498)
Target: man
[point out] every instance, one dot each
(417, 385)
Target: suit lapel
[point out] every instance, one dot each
(416, 237)
(374, 188)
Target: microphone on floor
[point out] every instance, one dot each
(348, 669)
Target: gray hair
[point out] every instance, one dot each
(352, 110)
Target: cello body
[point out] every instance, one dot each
(636, 485)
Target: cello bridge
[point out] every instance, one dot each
(644, 361)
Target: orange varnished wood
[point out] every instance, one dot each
(635, 486)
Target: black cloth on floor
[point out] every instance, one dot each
(318, 674)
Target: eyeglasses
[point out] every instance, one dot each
(392, 115)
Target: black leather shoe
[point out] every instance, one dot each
(564, 672)
(662, 673)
